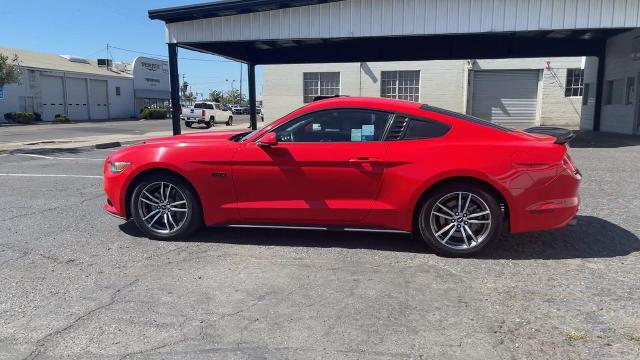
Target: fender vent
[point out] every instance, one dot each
(397, 128)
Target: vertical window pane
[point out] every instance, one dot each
(574, 85)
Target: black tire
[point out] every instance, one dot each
(460, 243)
(210, 123)
(188, 124)
(230, 121)
(188, 222)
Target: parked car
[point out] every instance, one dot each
(453, 180)
(237, 110)
(207, 113)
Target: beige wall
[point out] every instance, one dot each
(442, 83)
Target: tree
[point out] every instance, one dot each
(232, 97)
(216, 96)
(183, 90)
(9, 69)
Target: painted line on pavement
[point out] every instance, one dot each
(56, 158)
(51, 175)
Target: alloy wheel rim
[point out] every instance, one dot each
(460, 220)
(163, 207)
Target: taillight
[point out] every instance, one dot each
(203, 113)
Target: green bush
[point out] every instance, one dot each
(22, 117)
(59, 118)
(153, 114)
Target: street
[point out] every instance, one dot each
(80, 284)
(52, 131)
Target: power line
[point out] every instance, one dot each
(164, 56)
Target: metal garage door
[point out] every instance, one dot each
(509, 98)
(77, 100)
(52, 96)
(99, 100)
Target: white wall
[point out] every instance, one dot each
(123, 106)
(442, 84)
(619, 65)
(591, 78)
(283, 84)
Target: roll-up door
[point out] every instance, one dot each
(509, 98)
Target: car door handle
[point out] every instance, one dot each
(363, 160)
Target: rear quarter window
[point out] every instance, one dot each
(425, 129)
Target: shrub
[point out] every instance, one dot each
(37, 116)
(153, 114)
(62, 119)
(20, 117)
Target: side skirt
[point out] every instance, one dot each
(319, 228)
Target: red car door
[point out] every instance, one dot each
(327, 167)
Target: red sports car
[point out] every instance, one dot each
(355, 164)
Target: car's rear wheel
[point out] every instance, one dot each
(230, 121)
(164, 207)
(459, 219)
(188, 124)
(210, 123)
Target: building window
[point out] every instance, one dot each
(117, 90)
(404, 85)
(614, 92)
(631, 91)
(320, 84)
(575, 82)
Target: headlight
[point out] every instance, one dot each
(118, 167)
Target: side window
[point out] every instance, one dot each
(340, 125)
(424, 129)
(198, 106)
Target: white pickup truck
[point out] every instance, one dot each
(207, 113)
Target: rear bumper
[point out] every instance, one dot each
(552, 206)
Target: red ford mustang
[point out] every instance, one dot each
(353, 164)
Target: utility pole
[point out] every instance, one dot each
(241, 83)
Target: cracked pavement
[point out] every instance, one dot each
(79, 284)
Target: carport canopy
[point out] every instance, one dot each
(263, 32)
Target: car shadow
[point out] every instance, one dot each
(591, 238)
(606, 140)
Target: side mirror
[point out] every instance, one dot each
(268, 140)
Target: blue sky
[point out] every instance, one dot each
(83, 28)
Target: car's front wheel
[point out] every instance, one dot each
(164, 207)
(460, 219)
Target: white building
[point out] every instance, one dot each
(84, 89)
(620, 112)
(514, 92)
(76, 87)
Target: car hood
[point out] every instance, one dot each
(196, 137)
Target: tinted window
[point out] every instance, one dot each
(198, 106)
(341, 125)
(423, 129)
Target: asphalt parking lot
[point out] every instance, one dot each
(77, 283)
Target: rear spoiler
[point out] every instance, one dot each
(562, 136)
